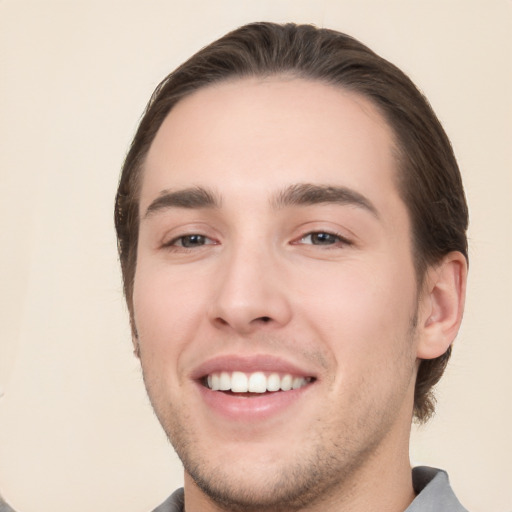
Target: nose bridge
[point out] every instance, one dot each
(250, 292)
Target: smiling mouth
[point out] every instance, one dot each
(252, 384)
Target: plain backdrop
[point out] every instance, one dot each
(76, 431)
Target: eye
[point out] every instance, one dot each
(190, 241)
(323, 238)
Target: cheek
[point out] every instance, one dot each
(166, 307)
(362, 312)
(364, 322)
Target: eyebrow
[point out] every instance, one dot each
(303, 194)
(300, 194)
(192, 198)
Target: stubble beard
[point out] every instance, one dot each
(310, 477)
(320, 469)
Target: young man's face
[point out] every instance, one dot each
(274, 248)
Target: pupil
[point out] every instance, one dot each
(192, 240)
(323, 238)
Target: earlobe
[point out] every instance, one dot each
(443, 305)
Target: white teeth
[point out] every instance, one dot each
(273, 382)
(256, 382)
(297, 383)
(225, 381)
(286, 383)
(239, 382)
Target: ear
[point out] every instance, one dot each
(442, 305)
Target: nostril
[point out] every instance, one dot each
(265, 319)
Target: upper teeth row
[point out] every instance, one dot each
(256, 382)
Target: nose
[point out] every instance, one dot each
(251, 292)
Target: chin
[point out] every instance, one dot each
(260, 476)
(264, 488)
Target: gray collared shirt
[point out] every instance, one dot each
(434, 493)
(4, 507)
(431, 485)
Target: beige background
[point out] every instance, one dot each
(76, 431)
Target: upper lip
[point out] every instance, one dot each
(249, 364)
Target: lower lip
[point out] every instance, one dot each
(253, 408)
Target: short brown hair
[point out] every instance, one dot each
(429, 179)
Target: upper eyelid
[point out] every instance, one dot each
(213, 233)
(341, 237)
(337, 231)
(173, 239)
(174, 232)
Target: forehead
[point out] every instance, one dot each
(269, 133)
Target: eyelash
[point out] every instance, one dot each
(338, 240)
(173, 245)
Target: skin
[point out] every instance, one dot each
(263, 281)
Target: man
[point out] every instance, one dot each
(292, 234)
